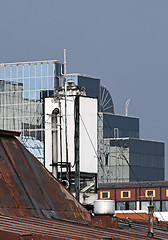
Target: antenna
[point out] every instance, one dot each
(126, 106)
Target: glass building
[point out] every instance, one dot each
(131, 160)
(23, 87)
(123, 156)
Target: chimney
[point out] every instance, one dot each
(104, 214)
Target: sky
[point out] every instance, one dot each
(122, 42)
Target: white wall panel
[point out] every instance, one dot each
(88, 135)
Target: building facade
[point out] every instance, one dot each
(136, 196)
(23, 87)
(131, 159)
(123, 156)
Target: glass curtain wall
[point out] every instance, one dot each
(23, 87)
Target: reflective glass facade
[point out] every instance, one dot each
(127, 159)
(147, 160)
(23, 87)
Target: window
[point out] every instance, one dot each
(144, 205)
(105, 195)
(132, 206)
(150, 193)
(125, 206)
(125, 194)
(157, 206)
(120, 206)
(106, 158)
(164, 206)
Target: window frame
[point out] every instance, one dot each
(129, 194)
(108, 195)
(149, 190)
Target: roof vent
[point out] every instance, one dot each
(104, 207)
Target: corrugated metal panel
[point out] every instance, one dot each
(28, 189)
(34, 228)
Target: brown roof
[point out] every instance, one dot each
(141, 227)
(35, 228)
(34, 205)
(27, 189)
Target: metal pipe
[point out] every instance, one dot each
(77, 151)
(150, 220)
(54, 143)
(126, 106)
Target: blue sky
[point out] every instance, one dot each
(123, 42)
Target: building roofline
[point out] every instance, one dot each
(81, 75)
(29, 63)
(148, 184)
(9, 133)
(131, 138)
(118, 115)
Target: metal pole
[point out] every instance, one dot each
(77, 166)
(66, 131)
(60, 140)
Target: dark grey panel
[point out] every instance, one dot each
(146, 147)
(59, 69)
(146, 158)
(128, 126)
(92, 86)
(146, 174)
